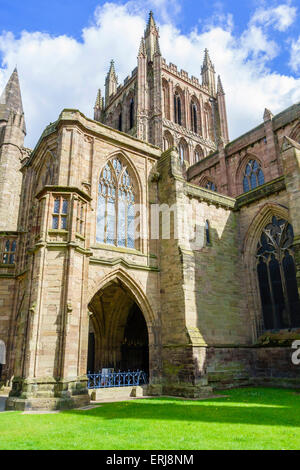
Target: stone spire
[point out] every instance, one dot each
(111, 82)
(11, 100)
(151, 37)
(208, 73)
(98, 107)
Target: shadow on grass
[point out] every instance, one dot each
(270, 407)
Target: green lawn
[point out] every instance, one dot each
(248, 418)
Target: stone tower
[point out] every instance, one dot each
(12, 133)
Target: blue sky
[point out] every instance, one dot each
(62, 49)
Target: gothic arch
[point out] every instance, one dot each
(207, 180)
(168, 140)
(133, 287)
(249, 249)
(132, 169)
(183, 150)
(45, 170)
(239, 174)
(198, 153)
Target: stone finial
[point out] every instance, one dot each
(220, 89)
(98, 103)
(268, 115)
(112, 72)
(142, 48)
(207, 63)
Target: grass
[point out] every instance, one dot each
(248, 418)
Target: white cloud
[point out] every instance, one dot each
(59, 72)
(280, 17)
(295, 55)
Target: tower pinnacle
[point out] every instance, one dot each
(11, 99)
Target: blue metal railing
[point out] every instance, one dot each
(117, 379)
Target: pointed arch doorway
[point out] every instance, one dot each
(118, 331)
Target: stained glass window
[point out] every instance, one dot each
(115, 216)
(253, 176)
(277, 276)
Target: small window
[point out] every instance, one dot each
(60, 213)
(177, 109)
(210, 185)
(207, 233)
(194, 118)
(120, 122)
(80, 218)
(181, 153)
(131, 114)
(8, 251)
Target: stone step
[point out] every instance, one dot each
(115, 393)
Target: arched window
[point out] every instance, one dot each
(115, 216)
(165, 98)
(210, 185)
(131, 114)
(182, 150)
(198, 154)
(194, 117)
(177, 108)
(167, 141)
(253, 176)
(277, 276)
(120, 121)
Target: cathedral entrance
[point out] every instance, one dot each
(118, 333)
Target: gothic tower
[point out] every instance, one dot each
(12, 134)
(208, 74)
(149, 126)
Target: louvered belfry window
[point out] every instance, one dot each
(277, 276)
(116, 206)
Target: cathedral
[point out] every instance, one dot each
(144, 239)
